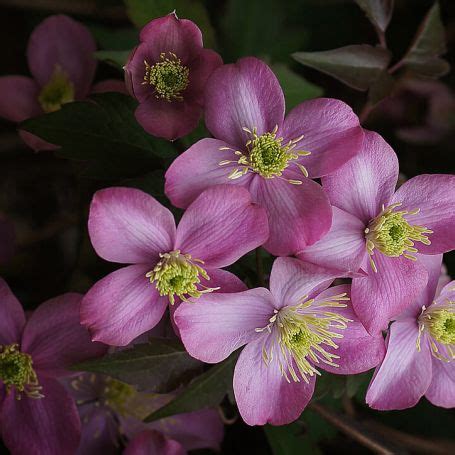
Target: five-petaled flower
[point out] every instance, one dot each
(167, 73)
(37, 415)
(290, 332)
(170, 264)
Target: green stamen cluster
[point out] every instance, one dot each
(58, 91)
(169, 77)
(16, 370)
(178, 275)
(117, 395)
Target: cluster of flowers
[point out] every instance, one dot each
(249, 186)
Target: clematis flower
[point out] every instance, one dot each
(169, 264)
(153, 443)
(60, 58)
(37, 415)
(272, 156)
(381, 231)
(420, 358)
(167, 73)
(290, 332)
(112, 413)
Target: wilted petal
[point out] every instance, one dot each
(18, 98)
(36, 143)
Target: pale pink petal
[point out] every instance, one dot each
(217, 324)
(222, 225)
(405, 374)
(18, 98)
(127, 225)
(245, 94)
(447, 292)
(379, 297)
(367, 181)
(153, 443)
(442, 387)
(434, 195)
(299, 215)
(12, 317)
(110, 85)
(262, 393)
(122, 306)
(332, 133)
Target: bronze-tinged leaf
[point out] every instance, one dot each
(379, 12)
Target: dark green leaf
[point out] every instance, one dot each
(203, 392)
(381, 88)
(379, 12)
(114, 58)
(358, 66)
(116, 39)
(158, 366)
(290, 440)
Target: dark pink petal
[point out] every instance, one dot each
(197, 169)
(12, 317)
(217, 324)
(442, 387)
(292, 279)
(110, 85)
(153, 443)
(299, 215)
(434, 195)
(49, 425)
(55, 339)
(379, 297)
(127, 225)
(342, 248)
(405, 374)
(358, 351)
(122, 306)
(221, 225)
(18, 98)
(62, 41)
(36, 143)
(245, 94)
(367, 181)
(332, 133)
(261, 391)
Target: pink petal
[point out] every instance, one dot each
(122, 306)
(379, 297)
(60, 40)
(342, 248)
(55, 339)
(442, 387)
(292, 279)
(262, 393)
(221, 225)
(405, 374)
(36, 143)
(49, 425)
(127, 225)
(110, 85)
(244, 94)
(434, 195)
(153, 443)
(217, 324)
(12, 317)
(332, 133)
(18, 98)
(197, 169)
(358, 350)
(224, 280)
(367, 181)
(447, 292)
(299, 215)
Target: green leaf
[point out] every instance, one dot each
(104, 133)
(158, 366)
(116, 38)
(379, 12)
(143, 11)
(358, 65)
(295, 87)
(205, 391)
(290, 440)
(114, 58)
(428, 44)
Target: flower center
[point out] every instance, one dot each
(391, 233)
(169, 77)
(117, 394)
(58, 91)
(16, 370)
(303, 331)
(267, 156)
(178, 275)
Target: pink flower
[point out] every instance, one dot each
(37, 415)
(420, 358)
(61, 61)
(169, 264)
(256, 147)
(153, 443)
(290, 332)
(380, 230)
(167, 73)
